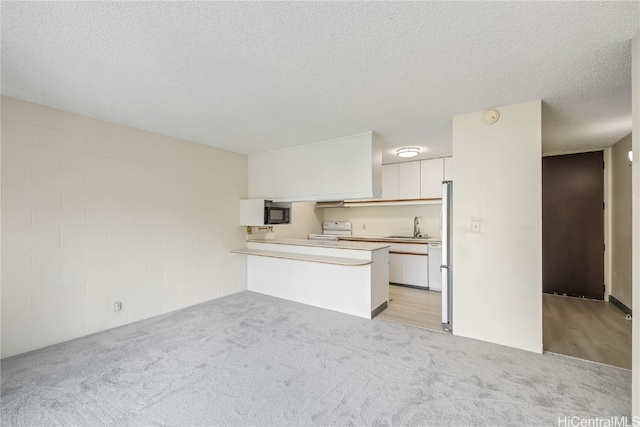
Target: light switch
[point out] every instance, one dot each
(475, 226)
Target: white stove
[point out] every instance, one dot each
(332, 230)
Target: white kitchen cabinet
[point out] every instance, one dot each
(390, 181)
(401, 181)
(415, 270)
(338, 169)
(409, 180)
(409, 264)
(395, 268)
(411, 248)
(448, 168)
(431, 176)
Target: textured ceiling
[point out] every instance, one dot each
(252, 77)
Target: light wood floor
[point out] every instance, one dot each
(417, 307)
(586, 329)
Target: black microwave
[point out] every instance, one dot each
(276, 215)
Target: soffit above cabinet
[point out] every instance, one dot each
(337, 169)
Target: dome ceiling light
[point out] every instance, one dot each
(407, 152)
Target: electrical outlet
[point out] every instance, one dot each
(364, 226)
(475, 226)
(117, 306)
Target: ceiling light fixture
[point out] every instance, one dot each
(407, 152)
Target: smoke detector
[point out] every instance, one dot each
(491, 116)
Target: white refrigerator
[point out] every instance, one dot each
(447, 266)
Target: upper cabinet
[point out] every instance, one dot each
(409, 180)
(338, 169)
(431, 176)
(390, 182)
(401, 181)
(448, 168)
(413, 181)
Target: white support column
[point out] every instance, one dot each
(635, 143)
(498, 184)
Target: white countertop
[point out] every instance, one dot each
(418, 241)
(335, 244)
(350, 262)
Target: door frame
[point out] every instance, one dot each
(607, 193)
(608, 199)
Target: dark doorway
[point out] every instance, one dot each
(573, 225)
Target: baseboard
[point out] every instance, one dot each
(411, 286)
(382, 307)
(613, 300)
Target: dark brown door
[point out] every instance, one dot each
(573, 225)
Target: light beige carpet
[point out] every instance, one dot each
(249, 359)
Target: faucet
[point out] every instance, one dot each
(416, 228)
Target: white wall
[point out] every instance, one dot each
(620, 206)
(380, 221)
(0, 232)
(497, 273)
(94, 212)
(635, 136)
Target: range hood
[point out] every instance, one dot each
(330, 204)
(373, 202)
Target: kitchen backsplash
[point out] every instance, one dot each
(379, 221)
(370, 221)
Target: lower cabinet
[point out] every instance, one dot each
(415, 269)
(409, 269)
(395, 268)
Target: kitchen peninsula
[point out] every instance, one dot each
(348, 277)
